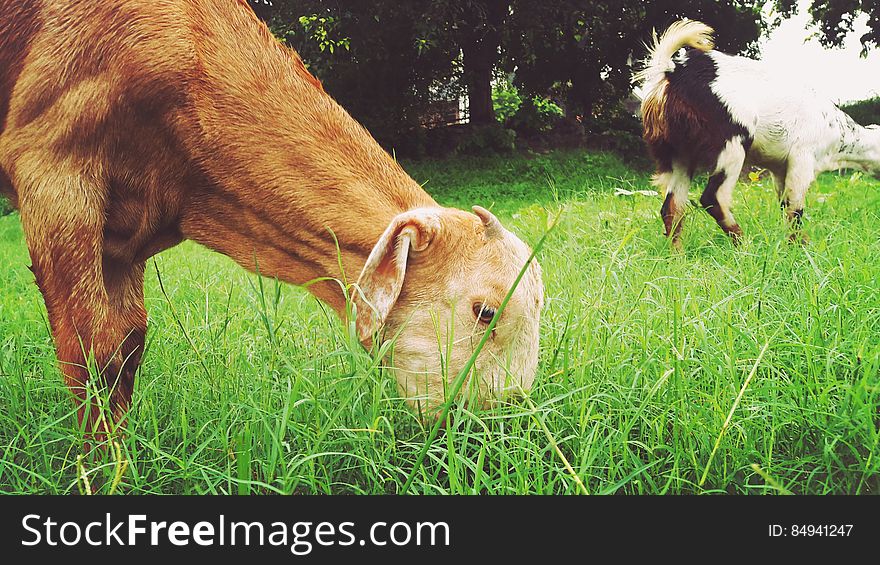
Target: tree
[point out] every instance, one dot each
(584, 51)
(835, 19)
(386, 61)
(475, 29)
(371, 57)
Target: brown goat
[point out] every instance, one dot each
(127, 126)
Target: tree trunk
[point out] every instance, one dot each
(481, 50)
(478, 77)
(584, 86)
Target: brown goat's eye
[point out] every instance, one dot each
(483, 313)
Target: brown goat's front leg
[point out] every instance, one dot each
(95, 308)
(125, 291)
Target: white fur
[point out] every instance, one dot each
(730, 162)
(660, 61)
(797, 133)
(676, 182)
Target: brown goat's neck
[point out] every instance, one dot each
(297, 189)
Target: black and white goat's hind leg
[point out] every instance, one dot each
(718, 194)
(778, 176)
(676, 183)
(799, 175)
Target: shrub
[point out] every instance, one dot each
(486, 140)
(506, 101)
(536, 115)
(615, 128)
(864, 112)
(527, 115)
(461, 139)
(547, 108)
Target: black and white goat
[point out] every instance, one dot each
(704, 110)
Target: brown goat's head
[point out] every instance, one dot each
(433, 283)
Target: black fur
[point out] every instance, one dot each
(709, 198)
(667, 204)
(698, 123)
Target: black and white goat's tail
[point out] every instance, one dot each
(684, 33)
(652, 76)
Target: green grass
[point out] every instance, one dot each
(740, 370)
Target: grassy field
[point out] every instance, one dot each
(735, 370)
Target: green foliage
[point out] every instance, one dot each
(581, 53)
(486, 140)
(387, 62)
(532, 115)
(506, 101)
(546, 107)
(644, 355)
(835, 19)
(865, 112)
(378, 60)
(5, 206)
(535, 115)
(617, 129)
(322, 30)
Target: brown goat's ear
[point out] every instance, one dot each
(381, 279)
